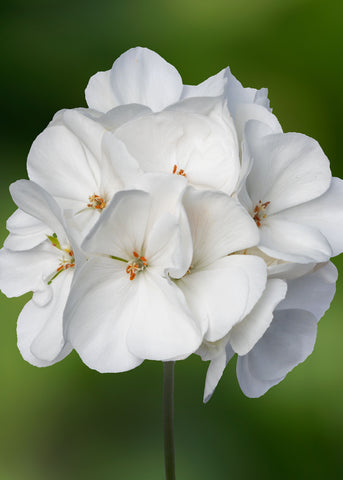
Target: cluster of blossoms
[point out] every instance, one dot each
(168, 219)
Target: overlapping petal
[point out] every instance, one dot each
(137, 76)
(196, 138)
(288, 342)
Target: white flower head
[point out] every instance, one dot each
(170, 219)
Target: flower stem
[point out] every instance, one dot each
(168, 419)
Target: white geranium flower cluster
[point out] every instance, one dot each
(168, 219)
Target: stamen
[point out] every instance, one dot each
(96, 202)
(65, 263)
(179, 172)
(138, 264)
(259, 214)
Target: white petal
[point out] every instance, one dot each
(117, 116)
(169, 246)
(30, 323)
(215, 371)
(287, 342)
(99, 312)
(312, 292)
(219, 225)
(25, 230)
(59, 162)
(252, 111)
(119, 169)
(246, 333)
(142, 76)
(224, 83)
(86, 129)
(293, 241)
(203, 145)
(236, 94)
(35, 201)
(162, 328)
(166, 192)
(49, 341)
(289, 271)
(99, 94)
(223, 293)
(40, 329)
(211, 87)
(324, 213)
(23, 271)
(168, 241)
(288, 169)
(122, 226)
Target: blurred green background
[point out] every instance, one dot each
(69, 422)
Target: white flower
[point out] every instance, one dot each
(195, 138)
(46, 268)
(123, 306)
(287, 342)
(288, 194)
(221, 287)
(68, 159)
(206, 229)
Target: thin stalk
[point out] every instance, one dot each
(168, 419)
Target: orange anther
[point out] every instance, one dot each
(180, 172)
(96, 202)
(259, 212)
(135, 254)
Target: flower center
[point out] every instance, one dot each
(179, 171)
(259, 212)
(96, 202)
(66, 261)
(137, 264)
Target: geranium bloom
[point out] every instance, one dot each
(287, 193)
(69, 160)
(123, 307)
(46, 268)
(194, 222)
(221, 286)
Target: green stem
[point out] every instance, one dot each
(168, 419)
